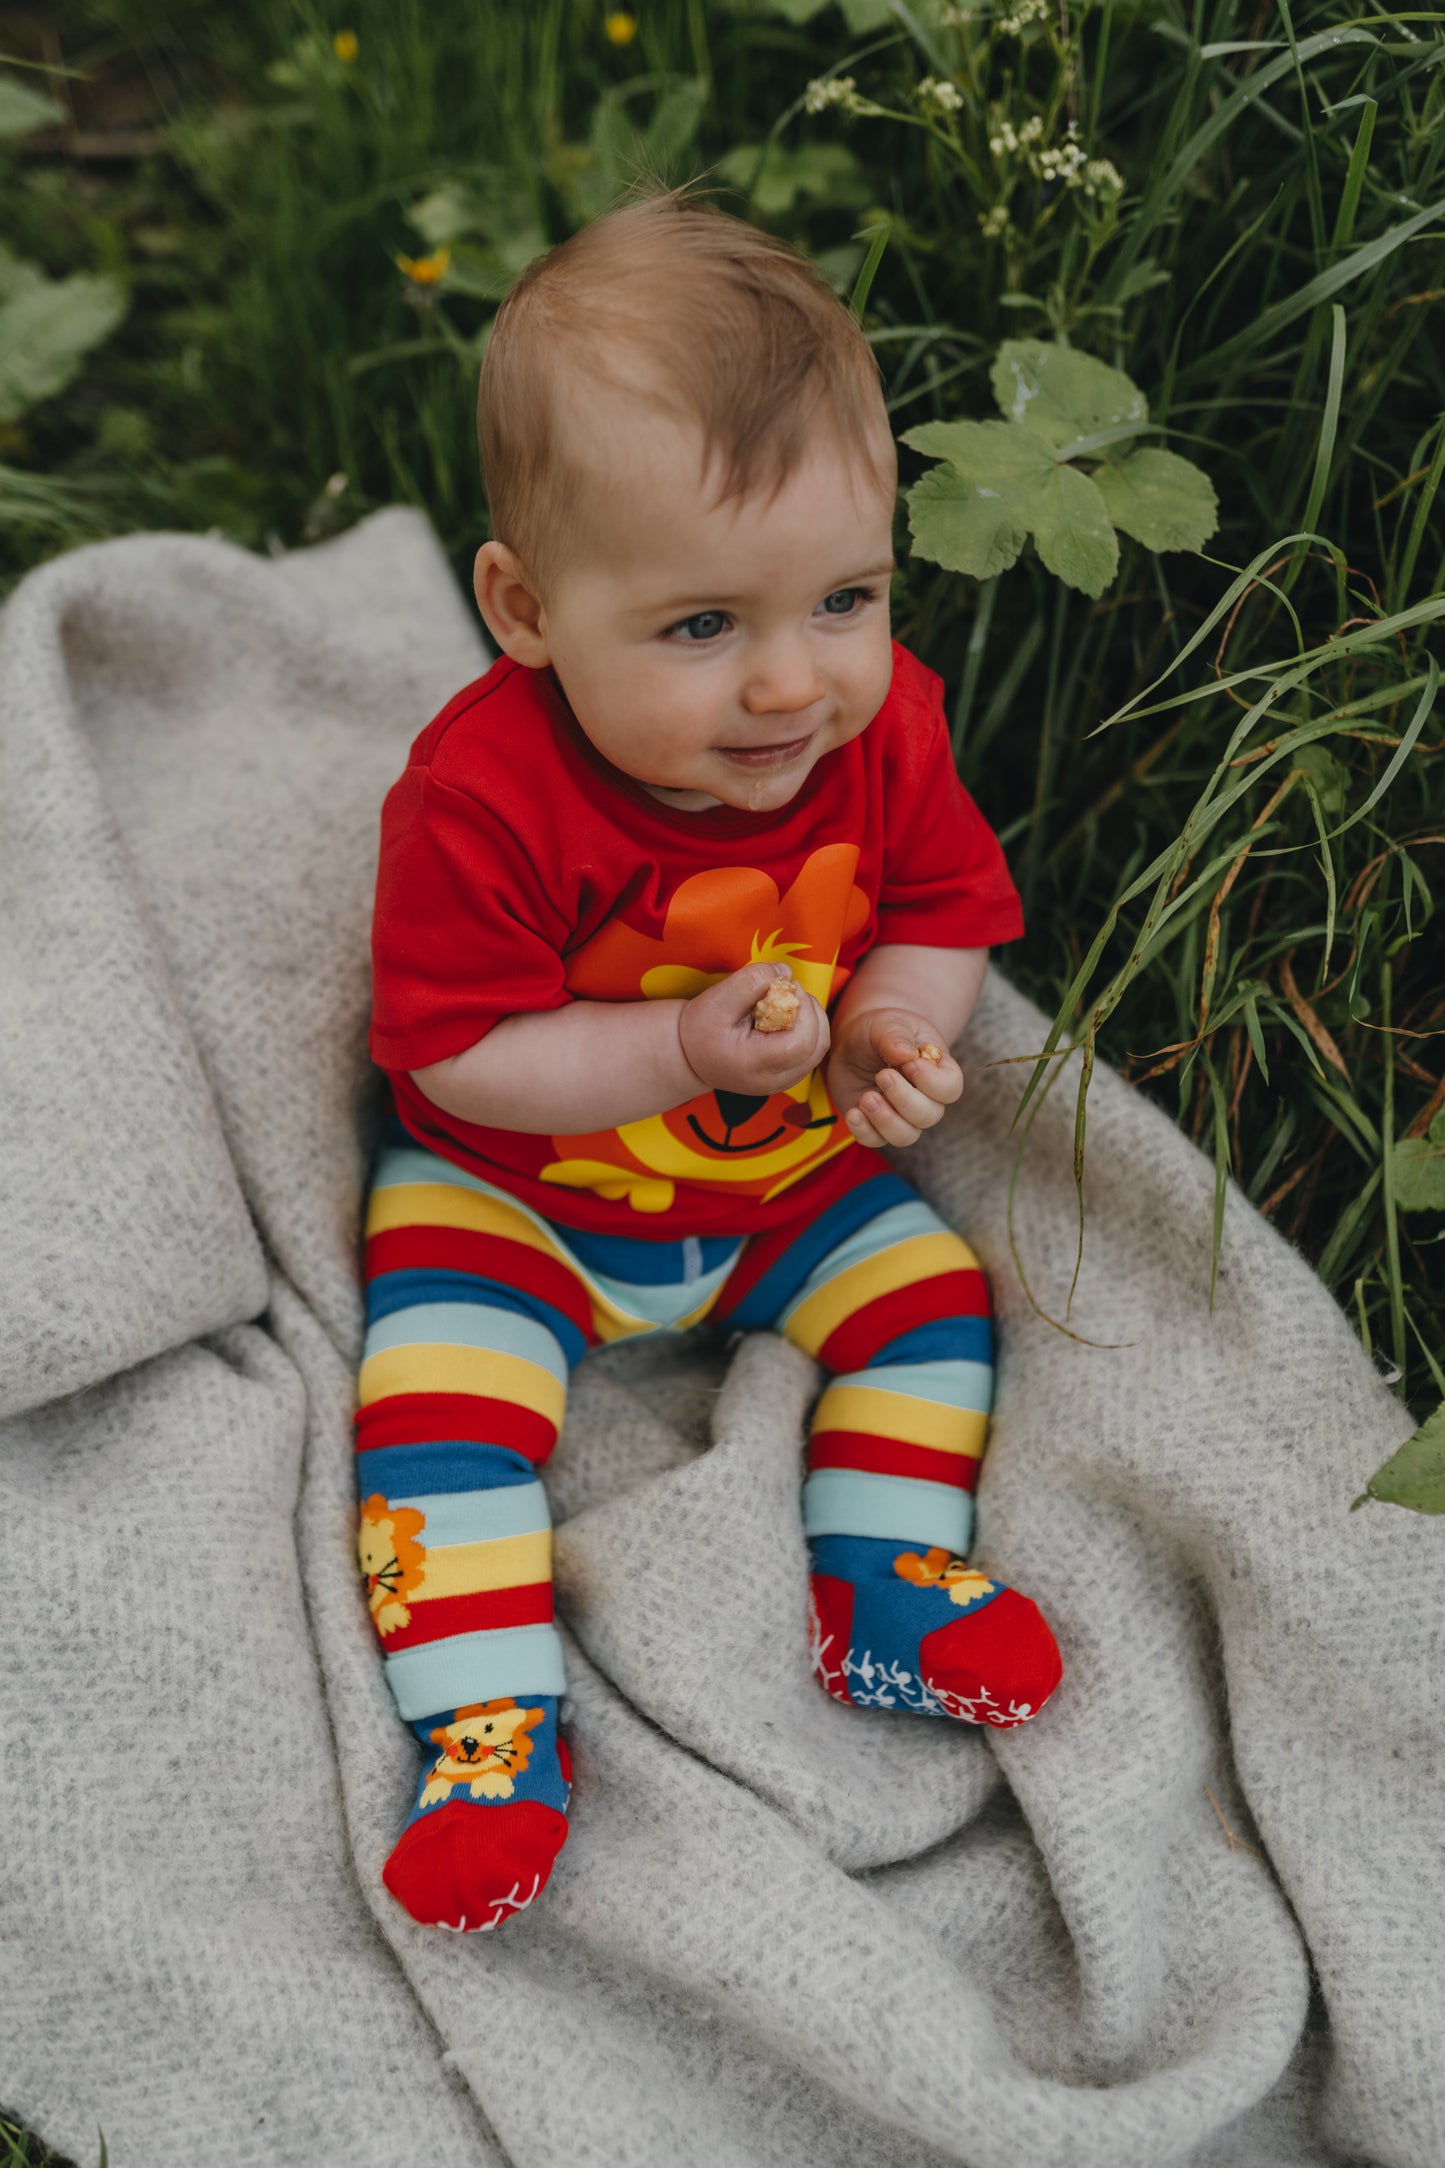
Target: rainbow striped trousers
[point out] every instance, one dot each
(477, 1309)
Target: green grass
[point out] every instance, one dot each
(1225, 815)
(20, 2148)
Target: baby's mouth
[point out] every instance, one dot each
(777, 755)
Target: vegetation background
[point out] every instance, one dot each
(249, 261)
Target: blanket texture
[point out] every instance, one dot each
(1195, 1914)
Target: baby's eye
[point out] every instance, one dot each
(703, 625)
(845, 600)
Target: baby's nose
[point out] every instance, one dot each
(784, 683)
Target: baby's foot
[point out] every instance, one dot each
(490, 1817)
(895, 1627)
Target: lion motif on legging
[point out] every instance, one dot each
(484, 1747)
(938, 1568)
(393, 1563)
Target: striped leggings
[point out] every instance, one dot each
(477, 1309)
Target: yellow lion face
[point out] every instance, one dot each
(393, 1563)
(484, 1747)
(938, 1568)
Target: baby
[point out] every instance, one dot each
(700, 768)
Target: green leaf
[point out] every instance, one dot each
(1071, 530)
(861, 16)
(1060, 393)
(1415, 1476)
(1420, 1170)
(1331, 778)
(778, 176)
(22, 109)
(962, 527)
(1002, 483)
(1165, 502)
(47, 327)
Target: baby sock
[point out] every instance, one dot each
(894, 1625)
(490, 1815)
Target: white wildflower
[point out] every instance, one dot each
(1102, 178)
(936, 91)
(995, 222)
(1020, 15)
(823, 91)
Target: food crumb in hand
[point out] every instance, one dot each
(929, 1052)
(778, 1008)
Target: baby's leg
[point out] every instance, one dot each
(473, 1322)
(892, 1301)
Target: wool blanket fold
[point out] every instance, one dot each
(1195, 1914)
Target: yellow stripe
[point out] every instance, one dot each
(466, 1569)
(920, 1257)
(899, 1415)
(429, 1368)
(442, 1204)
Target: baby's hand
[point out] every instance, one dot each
(890, 1078)
(723, 1047)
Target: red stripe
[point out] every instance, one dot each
(447, 1615)
(484, 1257)
(889, 1456)
(853, 1344)
(437, 1418)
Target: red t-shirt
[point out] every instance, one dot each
(520, 870)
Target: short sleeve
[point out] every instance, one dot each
(946, 882)
(463, 932)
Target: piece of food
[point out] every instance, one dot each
(929, 1052)
(778, 1008)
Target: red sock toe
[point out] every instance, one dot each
(997, 1665)
(469, 1867)
(830, 1623)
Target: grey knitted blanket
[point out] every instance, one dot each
(1195, 1914)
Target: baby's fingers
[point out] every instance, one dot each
(940, 1081)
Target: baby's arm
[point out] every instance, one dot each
(597, 1064)
(901, 998)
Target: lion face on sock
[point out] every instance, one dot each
(938, 1568)
(393, 1563)
(484, 1747)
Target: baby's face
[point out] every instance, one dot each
(715, 652)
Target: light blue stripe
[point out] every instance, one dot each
(409, 1163)
(468, 1324)
(899, 1224)
(847, 1502)
(515, 1509)
(476, 1667)
(951, 1384)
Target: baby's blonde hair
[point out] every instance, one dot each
(710, 319)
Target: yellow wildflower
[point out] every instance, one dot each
(620, 28)
(346, 45)
(425, 270)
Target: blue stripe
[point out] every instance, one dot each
(762, 1303)
(400, 1471)
(476, 1667)
(469, 1325)
(947, 1339)
(846, 1502)
(480, 1516)
(946, 1384)
(639, 1263)
(393, 1291)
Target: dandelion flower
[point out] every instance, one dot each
(346, 45)
(425, 270)
(619, 28)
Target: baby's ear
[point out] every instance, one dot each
(511, 606)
